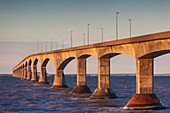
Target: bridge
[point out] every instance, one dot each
(143, 48)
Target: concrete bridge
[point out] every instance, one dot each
(143, 48)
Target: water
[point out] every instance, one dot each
(18, 96)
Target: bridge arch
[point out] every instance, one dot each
(45, 62)
(109, 55)
(43, 72)
(64, 63)
(30, 62)
(35, 61)
(84, 56)
(26, 64)
(59, 78)
(155, 54)
(35, 74)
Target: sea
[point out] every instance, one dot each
(21, 96)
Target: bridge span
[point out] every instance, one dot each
(143, 48)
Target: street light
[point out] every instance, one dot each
(117, 14)
(56, 44)
(51, 44)
(41, 47)
(130, 32)
(84, 38)
(102, 33)
(71, 39)
(88, 26)
(37, 47)
(46, 45)
(62, 44)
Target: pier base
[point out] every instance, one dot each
(59, 86)
(59, 80)
(102, 93)
(144, 101)
(34, 80)
(80, 89)
(43, 82)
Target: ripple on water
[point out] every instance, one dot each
(20, 96)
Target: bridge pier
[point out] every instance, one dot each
(59, 79)
(21, 74)
(81, 86)
(25, 73)
(145, 98)
(22, 77)
(43, 76)
(34, 73)
(29, 73)
(103, 90)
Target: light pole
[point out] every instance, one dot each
(56, 45)
(51, 44)
(88, 26)
(62, 44)
(71, 39)
(41, 46)
(130, 32)
(117, 14)
(84, 38)
(102, 33)
(37, 47)
(46, 45)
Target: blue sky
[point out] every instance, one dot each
(42, 20)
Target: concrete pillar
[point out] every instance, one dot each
(103, 90)
(22, 73)
(43, 76)
(16, 73)
(34, 73)
(144, 97)
(25, 73)
(19, 76)
(29, 73)
(59, 79)
(81, 86)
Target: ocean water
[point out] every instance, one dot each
(21, 96)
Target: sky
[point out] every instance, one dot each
(24, 23)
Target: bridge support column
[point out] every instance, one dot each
(29, 73)
(81, 86)
(43, 76)
(103, 90)
(59, 80)
(25, 73)
(34, 73)
(22, 73)
(145, 97)
(19, 76)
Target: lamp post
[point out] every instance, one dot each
(37, 47)
(41, 46)
(56, 44)
(46, 45)
(71, 39)
(84, 38)
(51, 44)
(62, 44)
(88, 26)
(130, 32)
(102, 33)
(117, 14)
